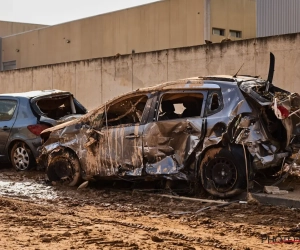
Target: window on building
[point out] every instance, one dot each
(219, 32)
(235, 33)
(9, 65)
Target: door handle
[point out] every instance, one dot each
(5, 128)
(132, 136)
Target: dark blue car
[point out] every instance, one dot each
(23, 116)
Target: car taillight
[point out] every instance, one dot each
(280, 111)
(37, 128)
(284, 112)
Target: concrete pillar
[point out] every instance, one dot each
(207, 29)
(1, 64)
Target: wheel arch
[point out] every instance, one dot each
(202, 155)
(229, 146)
(61, 149)
(59, 154)
(236, 151)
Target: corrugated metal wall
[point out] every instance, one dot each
(275, 17)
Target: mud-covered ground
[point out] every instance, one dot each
(37, 215)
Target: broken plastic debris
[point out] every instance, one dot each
(83, 185)
(274, 190)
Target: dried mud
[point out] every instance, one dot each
(36, 215)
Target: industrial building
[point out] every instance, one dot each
(11, 28)
(160, 25)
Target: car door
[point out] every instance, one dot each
(8, 114)
(171, 139)
(120, 147)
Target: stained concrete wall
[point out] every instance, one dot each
(95, 81)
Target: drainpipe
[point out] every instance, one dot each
(1, 64)
(207, 29)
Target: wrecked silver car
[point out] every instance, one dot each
(217, 131)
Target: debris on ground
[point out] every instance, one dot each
(274, 190)
(251, 200)
(83, 185)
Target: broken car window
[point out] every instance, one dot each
(180, 105)
(214, 103)
(56, 107)
(7, 109)
(128, 111)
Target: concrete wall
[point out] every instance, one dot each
(95, 81)
(10, 28)
(156, 26)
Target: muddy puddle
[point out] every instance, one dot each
(26, 185)
(33, 186)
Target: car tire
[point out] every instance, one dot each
(65, 167)
(223, 171)
(21, 157)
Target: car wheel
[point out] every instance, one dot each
(64, 167)
(21, 157)
(223, 171)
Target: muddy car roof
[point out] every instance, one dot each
(31, 94)
(189, 83)
(195, 82)
(192, 83)
(230, 78)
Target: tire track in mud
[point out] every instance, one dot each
(86, 228)
(79, 221)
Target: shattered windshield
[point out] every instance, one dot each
(57, 106)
